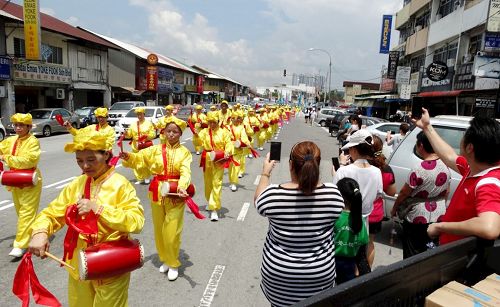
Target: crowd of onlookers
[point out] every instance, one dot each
(322, 234)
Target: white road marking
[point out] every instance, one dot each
(213, 283)
(4, 201)
(7, 206)
(188, 139)
(182, 143)
(62, 186)
(243, 212)
(257, 179)
(119, 165)
(57, 183)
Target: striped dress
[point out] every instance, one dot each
(298, 258)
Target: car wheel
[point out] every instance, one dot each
(322, 123)
(334, 133)
(46, 131)
(2, 135)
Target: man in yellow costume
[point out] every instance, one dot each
(142, 132)
(22, 152)
(224, 114)
(252, 128)
(102, 125)
(214, 138)
(238, 135)
(199, 121)
(162, 122)
(112, 199)
(167, 162)
(265, 126)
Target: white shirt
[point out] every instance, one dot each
(369, 180)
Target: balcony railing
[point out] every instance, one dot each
(417, 41)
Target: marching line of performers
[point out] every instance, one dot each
(223, 138)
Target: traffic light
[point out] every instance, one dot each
(284, 72)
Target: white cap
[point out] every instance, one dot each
(358, 137)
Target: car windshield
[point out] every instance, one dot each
(149, 113)
(40, 114)
(122, 106)
(83, 112)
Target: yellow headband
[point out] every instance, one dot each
(169, 107)
(198, 107)
(213, 108)
(139, 110)
(177, 121)
(88, 139)
(22, 118)
(224, 101)
(101, 112)
(213, 116)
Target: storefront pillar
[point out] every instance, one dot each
(107, 97)
(8, 103)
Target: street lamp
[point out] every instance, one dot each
(330, 65)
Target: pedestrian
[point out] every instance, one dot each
(214, 139)
(102, 125)
(474, 209)
(395, 140)
(298, 256)
(22, 152)
(307, 114)
(389, 187)
(224, 114)
(111, 198)
(264, 126)
(162, 122)
(170, 162)
(349, 231)
(142, 132)
(313, 116)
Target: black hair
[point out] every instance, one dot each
(404, 127)
(305, 158)
(484, 135)
(103, 152)
(424, 141)
(349, 188)
(366, 149)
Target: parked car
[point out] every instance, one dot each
(120, 109)
(367, 121)
(152, 114)
(45, 123)
(86, 115)
(381, 129)
(184, 112)
(333, 123)
(404, 158)
(325, 113)
(3, 132)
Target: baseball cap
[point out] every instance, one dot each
(357, 138)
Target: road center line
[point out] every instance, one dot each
(188, 139)
(256, 182)
(243, 212)
(62, 186)
(213, 283)
(4, 201)
(7, 206)
(57, 183)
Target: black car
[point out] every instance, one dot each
(334, 122)
(337, 123)
(86, 115)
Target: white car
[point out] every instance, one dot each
(153, 114)
(3, 132)
(380, 130)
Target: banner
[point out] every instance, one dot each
(199, 84)
(151, 78)
(494, 16)
(385, 37)
(392, 65)
(403, 75)
(32, 37)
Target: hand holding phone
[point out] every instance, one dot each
(336, 163)
(275, 151)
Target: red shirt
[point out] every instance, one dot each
(474, 195)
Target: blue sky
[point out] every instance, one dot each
(249, 41)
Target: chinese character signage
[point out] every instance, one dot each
(199, 84)
(4, 68)
(32, 38)
(151, 78)
(385, 38)
(41, 72)
(392, 65)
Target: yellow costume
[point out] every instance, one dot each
(23, 153)
(238, 133)
(199, 120)
(162, 122)
(119, 214)
(144, 131)
(265, 126)
(168, 212)
(105, 129)
(252, 123)
(224, 118)
(219, 139)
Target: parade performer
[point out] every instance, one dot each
(99, 194)
(102, 125)
(162, 122)
(273, 122)
(264, 127)
(170, 162)
(224, 114)
(252, 128)
(214, 139)
(197, 122)
(142, 133)
(241, 143)
(22, 152)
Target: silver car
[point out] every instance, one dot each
(325, 113)
(404, 158)
(45, 123)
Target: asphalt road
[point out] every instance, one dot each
(220, 260)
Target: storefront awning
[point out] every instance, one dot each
(89, 86)
(441, 94)
(125, 89)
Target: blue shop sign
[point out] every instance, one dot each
(5, 65)
(491, 41)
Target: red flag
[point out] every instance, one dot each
(193, 207)
(120, 141)
(255, 154)
(60, 119)
(191, 127)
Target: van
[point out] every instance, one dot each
(326, 113)
(120, 109)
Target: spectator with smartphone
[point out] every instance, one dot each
(396, 139)
(474, 209)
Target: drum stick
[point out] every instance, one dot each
(59, 260)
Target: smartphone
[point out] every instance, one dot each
(275, 151)
(336, 163)
(416, 107)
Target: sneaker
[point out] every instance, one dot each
(234, 188)
(250, 156)
(213, 216)
(147, 181)
(172, 274)
(261, 149)
(206, 208)
(240, 175)
(163, 268)
(197, 153)
(17, 252)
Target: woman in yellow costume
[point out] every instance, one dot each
(102, 125)
(112, 199)
(141, 132)
(238, 133)
(162, 122)
(22, 152)
(199, 121)
(224, 114)
(167, 162)
(214, 138)
(252, 128)
(264, 121)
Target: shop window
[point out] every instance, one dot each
(19, 51)
(55, 56)
(82, 59)
(416, 63)
(422, 21)
(447, 7)
(475, 45)
(97, 62)
(446, 52)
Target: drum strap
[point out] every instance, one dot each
(97, 127)
(232, 132)
(14, 148)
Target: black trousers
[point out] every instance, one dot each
(415, 239)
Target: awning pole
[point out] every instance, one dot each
(456, 105)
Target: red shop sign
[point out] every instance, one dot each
(152, 78)
(199, 84)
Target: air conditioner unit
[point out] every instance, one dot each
(60, 94)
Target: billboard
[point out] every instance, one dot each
(32, 38)
(494, 16)
(392, 65)
(385, 36)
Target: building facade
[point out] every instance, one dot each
(353, 88)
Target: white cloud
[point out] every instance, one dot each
(72, 20)
(48, 11)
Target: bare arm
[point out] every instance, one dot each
(264, 180)
(403, 194)
(486, 226)
(445, 152)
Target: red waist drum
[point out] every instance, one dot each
(265, 126)
(203, 126)
(256, 129)
(19, 178)
(171, 187)
(146, 144)
(109, 259)
(216, 155)
(239, 144)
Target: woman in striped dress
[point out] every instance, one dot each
(298, 258)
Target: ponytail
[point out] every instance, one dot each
(351, 194)
(305, 158)
(308, 175)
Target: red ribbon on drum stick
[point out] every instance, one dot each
(60, 119)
